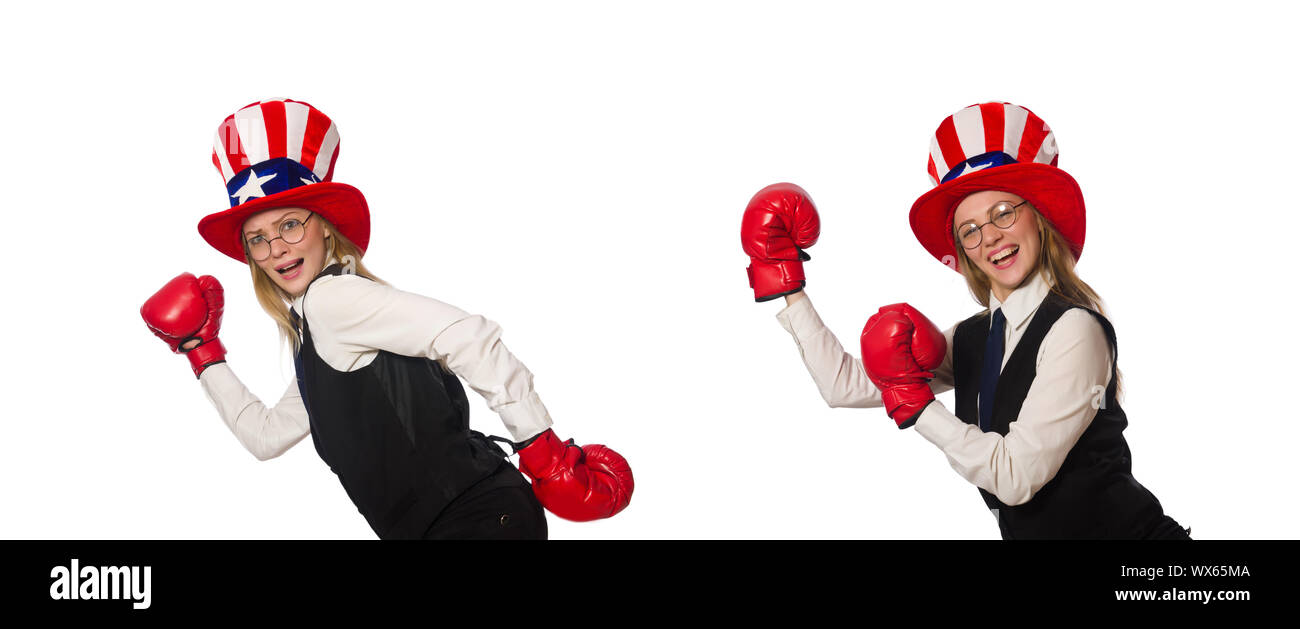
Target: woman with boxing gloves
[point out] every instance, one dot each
(377, 368)
(1038, 426)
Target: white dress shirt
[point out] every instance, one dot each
(1073, 369)
(351, 320)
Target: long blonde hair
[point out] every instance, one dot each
(1055, 257)
(276, 302)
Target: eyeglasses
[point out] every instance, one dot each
(291, 230)
(1004, 216)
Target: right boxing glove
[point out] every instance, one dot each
(780, 222)
(186, 314)
(577, 483)
(900, 348)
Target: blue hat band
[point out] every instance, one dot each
(983, 161)
(267, 178)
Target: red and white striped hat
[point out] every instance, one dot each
(280, 153)
(995, 146)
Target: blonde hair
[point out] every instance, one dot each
(276, 302)
(1054, 257)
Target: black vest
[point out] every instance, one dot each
(1094, 494)
(396, 432)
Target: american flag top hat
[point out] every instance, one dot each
(995, 146)
(281, 153)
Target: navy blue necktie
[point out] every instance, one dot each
(297, 355)
(993, 348)
(297, 324)
(297, 359)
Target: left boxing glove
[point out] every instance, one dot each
(779, 223)
(900, 348)
(576, 483)
(186, 314)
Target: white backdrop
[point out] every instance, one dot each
(577, 172)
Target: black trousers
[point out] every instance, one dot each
(501, 506)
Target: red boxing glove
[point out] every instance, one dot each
(186, 314)
(576, 483)
(780, 222)
(900, 347)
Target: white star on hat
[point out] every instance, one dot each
(967, 168)
(252, 187)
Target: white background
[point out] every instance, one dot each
(577, 172)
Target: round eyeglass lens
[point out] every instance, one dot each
(1004, 215)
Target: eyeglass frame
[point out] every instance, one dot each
(279, 236)
(1015, 216)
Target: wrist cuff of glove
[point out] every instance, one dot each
(904, 404)
(516, 446)
(205, 355)
(910, 421)
(542, 454)
(773, 279)
(760, 300)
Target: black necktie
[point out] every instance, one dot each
(297, 356)
(993, 348)
(297, 360)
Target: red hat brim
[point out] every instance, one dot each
(342, 205)
(1052, 191)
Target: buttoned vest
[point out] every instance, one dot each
(1094, 494)
(396, 432)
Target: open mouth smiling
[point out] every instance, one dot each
(1004, 257)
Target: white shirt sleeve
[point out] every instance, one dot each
(1073, 370)
(265, 432)
(352, 317)
(840, 376)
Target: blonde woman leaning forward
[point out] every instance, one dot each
(378, 369)
(1038, 427)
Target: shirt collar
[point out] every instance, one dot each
(297, 301)
(1023, 302)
